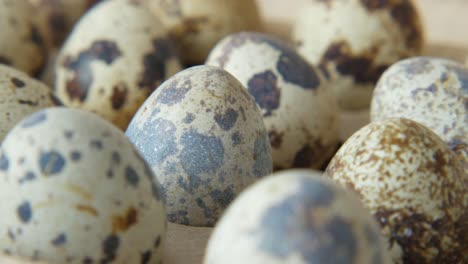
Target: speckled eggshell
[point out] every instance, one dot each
(55, 18)
(354, 41)
(296, 216)
(21, 44)
(75, 190)
(298, 107)
(205, 140)
(117, 54)
(431, 91)
(413, 184)
(20, 95)
(198, 24)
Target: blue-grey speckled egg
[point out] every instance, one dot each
(75, 190)
(205, 140)
(296, 216)
(298, 107)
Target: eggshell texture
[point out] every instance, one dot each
(75, 190)
(413, 184)
(115, 57)
(21, 44)
(56, 18)
(297, 217)
(354, 41)
(431, 91)
(20, 95)
(198, 24)
(205, 140)
(298, 106)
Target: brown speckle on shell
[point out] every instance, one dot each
(412, 183)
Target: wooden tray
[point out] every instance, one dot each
(446, 25)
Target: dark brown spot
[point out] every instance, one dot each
(405, 14)
(417, 234)
(263, 88)
(276, 139)
(17, 82)
(119, 96)
(58, 25)
(28, 102)
(155, 64)
(304, 157)
(360, 67)
(104, 51)
(124, 222)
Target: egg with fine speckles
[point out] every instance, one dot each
(20, 95)
(205, 140)
(354, 41)
(296, 216)
(117, 54)
(21, 44)
(298, 106)
(75, 190)
(431, 91)
(413, 184)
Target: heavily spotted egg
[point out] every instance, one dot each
(296, 216)
(20, 95)
(431, 91)
(197, 25)
(413, 184)
(354, 41)
(75, 190)
(117, 54)
(205, 140)
(21, 45)
(298, 106)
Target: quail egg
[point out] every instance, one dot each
(354, 41)
(205, 140)
(117, 54)
(413, 184)
(55, 19)
(20, 95)
(296, 216)
(298, 106)
(197, 25)
(431, 91)
(21, 44)
(75, 190)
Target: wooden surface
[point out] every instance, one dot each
(446, 23)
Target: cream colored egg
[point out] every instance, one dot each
(354, 41)
(298, 105)
(197, 25)
(20, 95)
(205, 140)
(413, 184)
(56, 18)
(431, 91)
(298, 217)
(21, 44)
(117, 54)
(75, 190)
